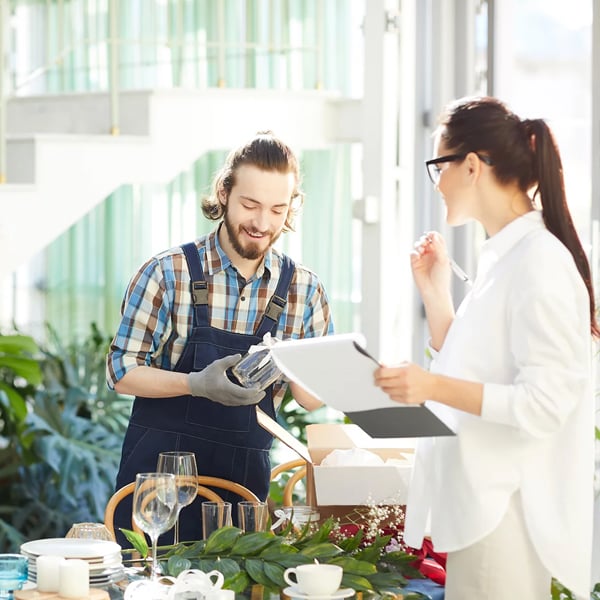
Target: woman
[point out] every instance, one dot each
(510, 496)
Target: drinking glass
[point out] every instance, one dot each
(155, 507)
(253, 516)
(256, 370)
(183, 466)
(214, 516)
(13, 574)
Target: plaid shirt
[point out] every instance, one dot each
(157, 309)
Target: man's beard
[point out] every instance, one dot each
(252, 251)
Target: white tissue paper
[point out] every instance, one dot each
(352, 457)
(357, 476)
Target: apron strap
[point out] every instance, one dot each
(198, 285)
(278, 300)
(199, 291)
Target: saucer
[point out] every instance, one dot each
(293, 592)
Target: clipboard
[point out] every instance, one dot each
(338, 370)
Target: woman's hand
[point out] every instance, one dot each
(410, 384)
(431, 266)
(407, 383)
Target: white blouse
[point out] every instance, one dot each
(524, 332)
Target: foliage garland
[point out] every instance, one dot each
(246, 559)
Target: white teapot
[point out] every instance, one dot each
(192, 584)
(195, 584)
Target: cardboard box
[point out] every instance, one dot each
(354, 485)
(337, 489)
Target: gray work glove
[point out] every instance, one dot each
(212, 383)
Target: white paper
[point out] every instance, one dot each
(337, 370)
(331, 368)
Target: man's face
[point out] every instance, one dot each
(256, 210)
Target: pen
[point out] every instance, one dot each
(460, 273)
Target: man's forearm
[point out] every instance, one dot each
(153, 383)
(303, 398)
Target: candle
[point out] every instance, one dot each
(48, 572)
(74, 579)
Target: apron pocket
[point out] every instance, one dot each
(216, 417)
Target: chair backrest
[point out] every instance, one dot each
(203, 492)
(288, 488)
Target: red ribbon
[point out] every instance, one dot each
(430, 563)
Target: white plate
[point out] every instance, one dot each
(99, 581)
(294, 592)
(71, 548)
(93, 566)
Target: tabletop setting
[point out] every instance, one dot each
(291, 553)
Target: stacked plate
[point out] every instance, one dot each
(104, 558)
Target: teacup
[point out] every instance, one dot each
(315, 579)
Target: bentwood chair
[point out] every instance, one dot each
(203, 492)
(288, 489)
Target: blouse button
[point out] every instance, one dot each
(243, 298)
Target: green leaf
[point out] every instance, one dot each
(16, 344)
(176, 565)
(250, 544)
(276, 551)
(351, 544)
(370, 554)
(324, 532)
(324, 550)
(207, 564)
(275, 573)
(293, 560)
(356, 582)
(255, 569)
(16, 402)
(137, 541)
(351, 565)
(383, 581)
(399, 557)
(227, 566)
(221, 540)
(238, 583)
(28, 368)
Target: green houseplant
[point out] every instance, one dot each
(61, 435)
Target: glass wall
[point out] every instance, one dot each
(544, 50)
(196, 44)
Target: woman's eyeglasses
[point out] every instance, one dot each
(434, 170)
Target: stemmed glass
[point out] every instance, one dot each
(183, 466)
(155, 507)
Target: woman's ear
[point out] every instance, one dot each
(473, 164)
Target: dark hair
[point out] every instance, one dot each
(523, 152)
(266, 152)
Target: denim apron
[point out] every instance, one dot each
(228, 441)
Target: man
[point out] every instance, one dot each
(191, 312)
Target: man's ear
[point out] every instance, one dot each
(222, 196)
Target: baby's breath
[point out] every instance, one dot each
(375, 519)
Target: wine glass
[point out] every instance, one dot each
(183, 466)
(155, 507)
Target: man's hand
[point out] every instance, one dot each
(212, 383)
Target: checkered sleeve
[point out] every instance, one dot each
(145, 323)
(317, 319)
